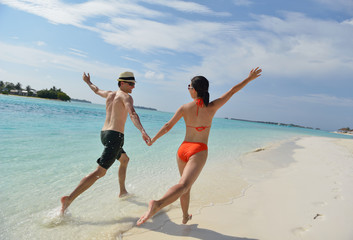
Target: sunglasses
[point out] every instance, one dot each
(130, 83)
(189, 87)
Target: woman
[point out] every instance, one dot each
(192, 153)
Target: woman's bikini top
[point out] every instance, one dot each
(199, 103)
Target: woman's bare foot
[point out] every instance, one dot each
(186, 218)
(152, 209)
(65, 203)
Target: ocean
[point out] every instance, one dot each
(47, 147)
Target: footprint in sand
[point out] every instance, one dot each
(319, 216)
(337, 183)
(336, 190)
(339, 197)
(301, 230)
(259, 150)
(320, 204)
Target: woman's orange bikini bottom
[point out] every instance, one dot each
(187, 149)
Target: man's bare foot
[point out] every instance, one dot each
(123, 194)
(186, 218)
(64, 204)
(152, 209)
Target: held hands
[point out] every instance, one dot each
(146, 138)
(254, 73)
(153, 141)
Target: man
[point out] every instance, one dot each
(118, 105)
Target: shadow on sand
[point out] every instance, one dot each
(163, 224)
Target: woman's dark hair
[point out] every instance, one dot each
(200, 84)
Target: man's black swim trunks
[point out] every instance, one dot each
(113, 142)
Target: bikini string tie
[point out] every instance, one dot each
(199, 103)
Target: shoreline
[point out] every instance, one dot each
(99, 213)
(307, 199)
(344, 133)
(76, 100)
(32, 97)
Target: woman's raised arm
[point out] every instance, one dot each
(219, 102)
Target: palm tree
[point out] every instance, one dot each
(18, 86)
(9, 86)
(29, 90)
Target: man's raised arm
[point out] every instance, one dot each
(95, 89)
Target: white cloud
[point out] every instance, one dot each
(40, 59)
(77, 52)
(148, 35)
(53, 10)
(59, 12)
(130, 29)
(242, 2)
(154, 76)
(324, 99)
(292, 46)
(295, 43)
(187, 7)
(348, 21)
(40, 43)
(306, 100)
(338, 5)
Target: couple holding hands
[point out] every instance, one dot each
(191, 155)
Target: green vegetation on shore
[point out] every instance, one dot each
(16, 89)
(53, 93)
(346, 130)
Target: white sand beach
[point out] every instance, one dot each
(309, 199)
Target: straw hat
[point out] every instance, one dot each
(126, 77)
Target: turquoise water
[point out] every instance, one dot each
(48, 146)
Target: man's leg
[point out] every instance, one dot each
(124, 160)
(85, 183)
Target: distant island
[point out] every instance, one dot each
(80, 100)
(274, 123)
(139, 107)
(146, 108)
(53, 93)
(16, 89)
(345, 130)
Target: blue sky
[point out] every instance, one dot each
(305, 49)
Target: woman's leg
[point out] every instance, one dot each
(184, 202)
(189, 175)
(185, 198)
